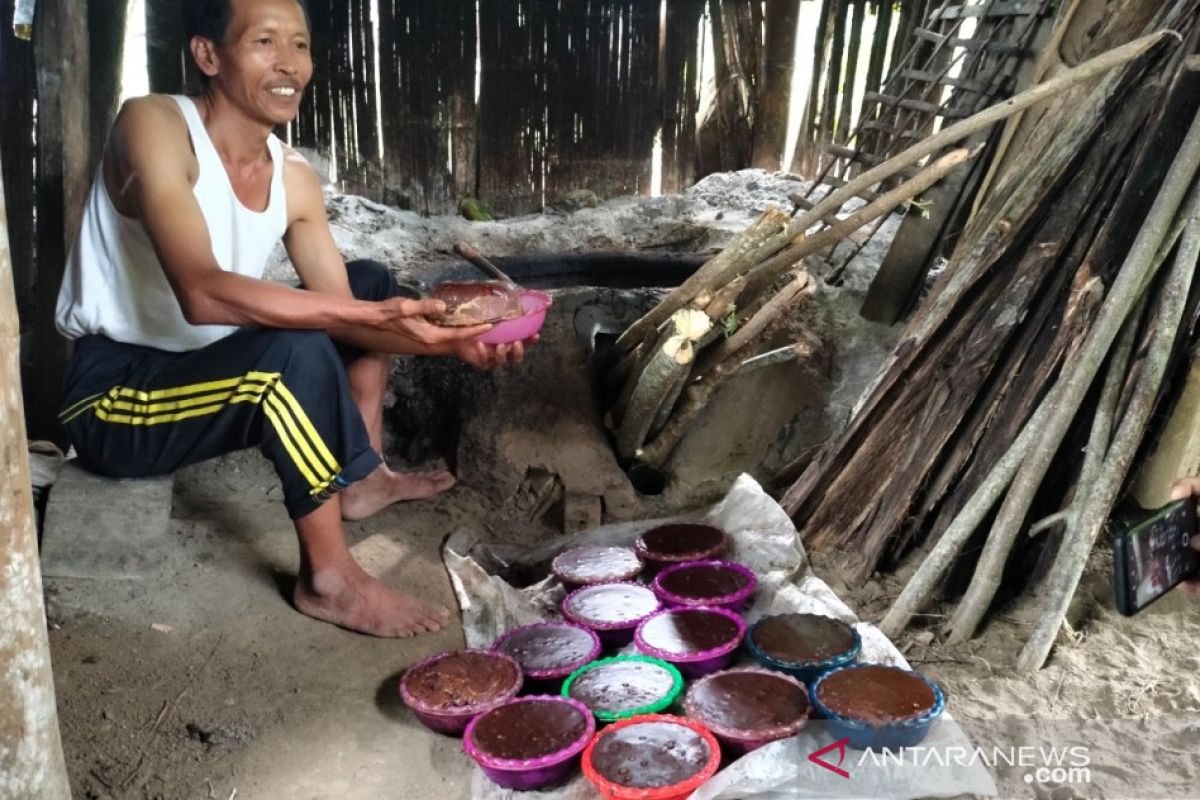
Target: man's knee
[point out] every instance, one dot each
(310, 348)
(371, 280)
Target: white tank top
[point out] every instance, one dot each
(114, 283)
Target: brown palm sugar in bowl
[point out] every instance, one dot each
(650, 755)
(802, 637)
(461, 680)
(876, 694)
(613, 603)
(748, 701)
(597, 563)
(548, 647)
(689, 631)
(529, 729)
(678, 541)
(704, 581)
(622, 686)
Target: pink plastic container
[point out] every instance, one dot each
(703, 583)
(453, 719)
(549, 652)
(696, 640)
(524, 327)
(538, 771)
(737, 723)
(591, 607)
(677, 542)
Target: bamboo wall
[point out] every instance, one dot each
(571, 95)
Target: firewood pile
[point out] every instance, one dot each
(1000, 433)
(1026, 380)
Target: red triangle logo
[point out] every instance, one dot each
(840, 746)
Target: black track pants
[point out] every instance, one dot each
(134, 411)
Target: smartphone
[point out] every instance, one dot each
(1154, 556)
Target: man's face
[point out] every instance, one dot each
(266, 61)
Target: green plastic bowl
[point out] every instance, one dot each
(655, 707)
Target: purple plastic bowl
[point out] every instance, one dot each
(738, 742)
(628, 574)
(612, 634)
(700, 663)
(548, 676)
(532, 773)
(454, 722)
(733, 602)
(524, 327)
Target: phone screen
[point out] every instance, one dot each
(1155, 556)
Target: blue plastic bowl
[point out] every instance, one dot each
(891, 736)
(804, 671)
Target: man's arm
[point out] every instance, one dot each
(319, 263)
(150, 145)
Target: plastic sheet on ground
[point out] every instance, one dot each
(763, 538)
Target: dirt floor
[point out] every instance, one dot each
(204, 683)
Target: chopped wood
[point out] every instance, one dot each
(1100, 493)
(653, 386)
(1134, 277)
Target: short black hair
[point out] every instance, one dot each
(210, 19)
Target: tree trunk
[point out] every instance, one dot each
(770, 133)
(31, 757)
(64, 177)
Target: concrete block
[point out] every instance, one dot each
(104, 528)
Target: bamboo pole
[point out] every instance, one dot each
(1094, 507)
(1131, 282)
(31, 758)
(837, 198)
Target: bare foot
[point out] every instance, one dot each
(350, 598)
(383, 487)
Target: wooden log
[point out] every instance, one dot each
(756, 325)
(787, 258)
(765, 236)
(1133, 279)
(1101, 495)
(770, 130)
(18, 157)
(1050, 54)
(656, 382)
(31, 758)
(64, 178)
(713, 372)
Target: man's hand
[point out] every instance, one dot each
(1183, 489)
(489, 356)
(410, 319)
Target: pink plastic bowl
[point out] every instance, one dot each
(518, 330)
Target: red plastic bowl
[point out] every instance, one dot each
(524, 327)
(678, 791)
